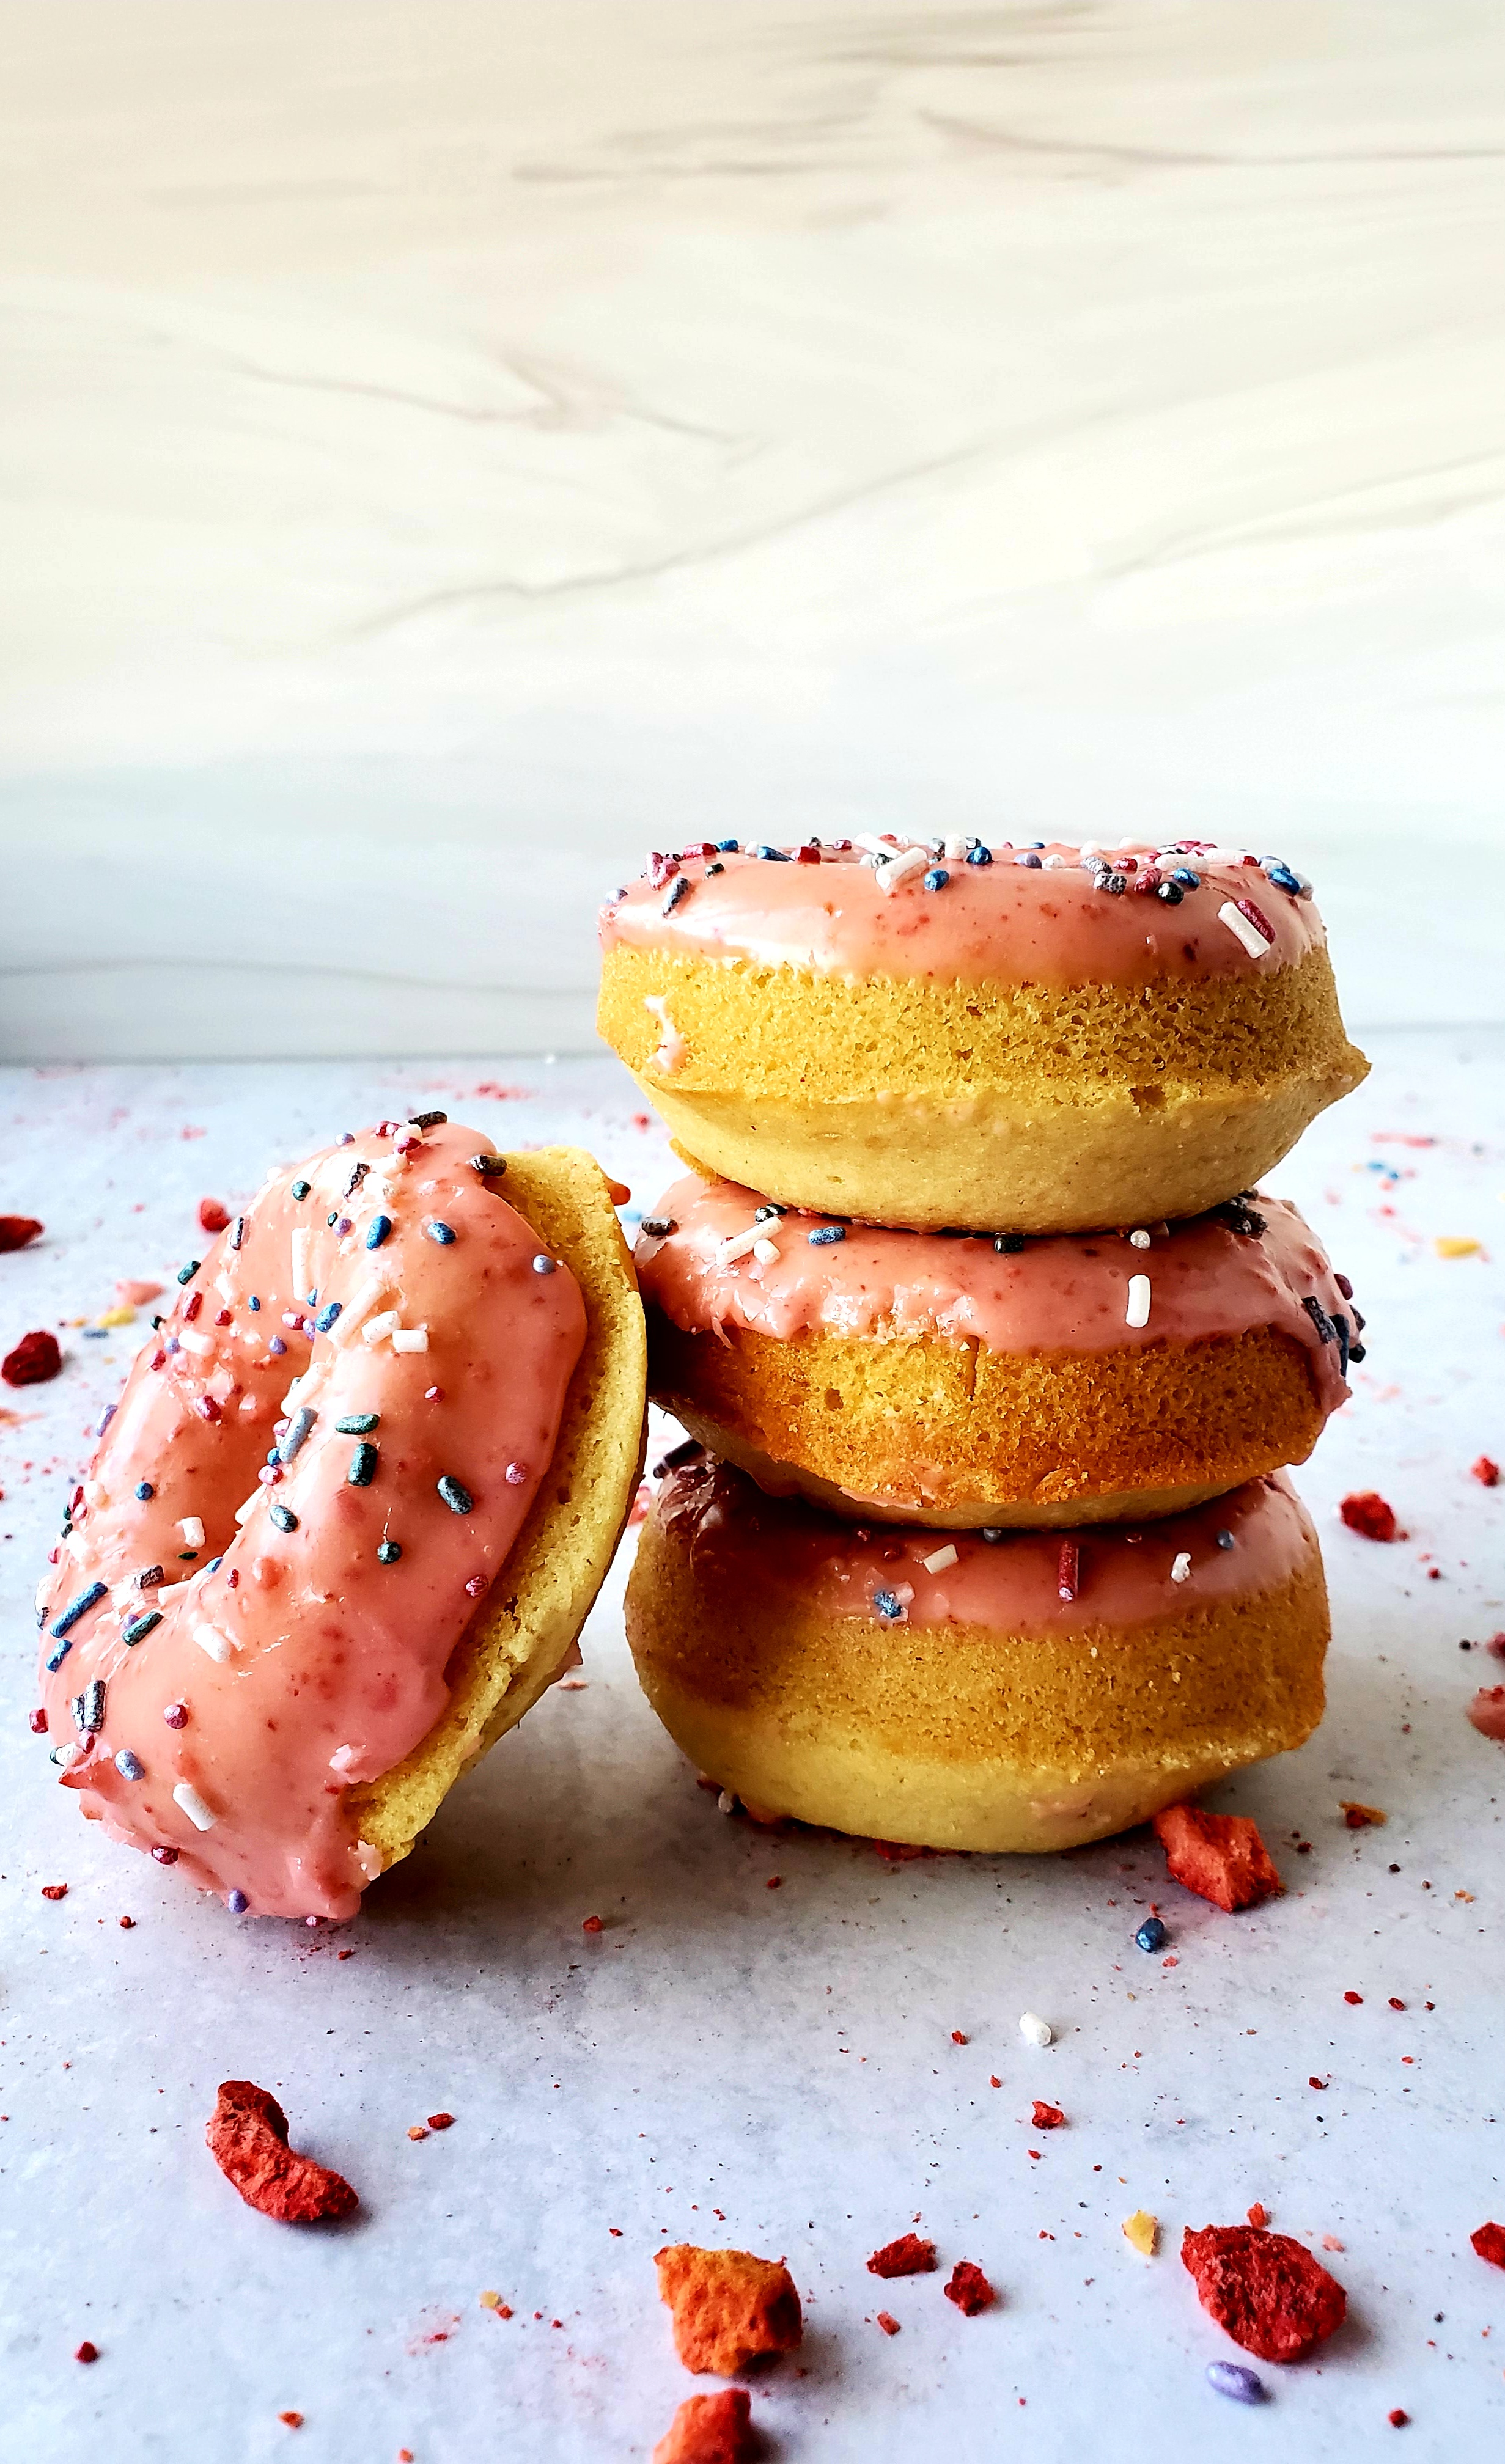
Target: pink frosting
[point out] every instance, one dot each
(1067, 1292)
(1119, 1576)
(1000, 923)
(299, 1662)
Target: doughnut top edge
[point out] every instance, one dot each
(962, 910)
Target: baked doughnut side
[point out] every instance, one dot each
(916, 1424)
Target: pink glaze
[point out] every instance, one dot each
(1064, 1293)
(738, 1538)
(333, 1665)
(999, 923)
(1486, 1711)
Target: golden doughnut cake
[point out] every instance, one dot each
(1033, 1693)
(1081, 1378)
(1029, 1040)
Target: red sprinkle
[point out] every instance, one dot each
(956, 2037)
(87, 2352)
(213, 1216)
(1069, 1568)
(441, 2121)
(1366, 1512)
(1048, 2117)
(1258, 2217)
(191, 1308)
(969, 2289)
(888, 2322)
(1489, 2243)
(206, 1408)
(35, 1360)
(54, 1890)
(1486, 1472)
(37, 1721)
(16, 1230)
(1257, 916)
(909, 2255)
(1355, 1998)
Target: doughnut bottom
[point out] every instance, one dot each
(953, 1736)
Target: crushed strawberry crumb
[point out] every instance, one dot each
(1366, 1511)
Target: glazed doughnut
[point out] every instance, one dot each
(350, 1512)
(1076, 1378)
(1035, 1039)
(948, 1693)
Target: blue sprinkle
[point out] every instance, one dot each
(327, 1315)
(1170, 894)
(979, 854)
(296, 1435)
(276, 1344)
(282, 1517)
(389, 1552)
(237, 1904)
(888, 1605)
(1326, 1331)
(937, 877)
(185, 1274)
(772, 855)
(145, 1490)
(359, 1424)
(273, 1454)
(1030, 863)
(1185, 878)
(212, 1562)
(443, 1233)
(456, 1495)
(1232, 2378)
(363, 1466)
(252, 1302)
(1341, 1325)
(173, 1345)
(312, 1298)
(300, 1189)
(681, 890)
(377, 1230)
(139, 1627)
(96, 1334)
(1151, 1935)
(728, 846)
(1037, 843)
(129, 1766)
(825, 1233)
(542, 1266)
(1283, 878)
(238, 1233)
(56, 1658)
(1225, 1539)
(76, 1607)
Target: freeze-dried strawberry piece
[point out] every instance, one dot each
(35, 1360)
(1048, 2117)
(247, 2137)
(1489, 2243)
(1366, 1512)
(969, 2289)
(16, 1230)
(710, 2429)
(212, 1216)
(1264, 2289)
(909, 2255)
(1219, 1855)
(728, 2307)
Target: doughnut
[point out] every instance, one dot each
(350, 1514)
(1036, 1692)
(1030, 1040)
(1076, 1378)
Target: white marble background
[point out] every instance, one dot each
(445, 448)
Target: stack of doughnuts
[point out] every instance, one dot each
(990, 1352)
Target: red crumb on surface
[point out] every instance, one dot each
(293, 2420)
(1396, 2418)
(416, 2130)
(16, 1230)
(1354, 1999)
(36, 1722)
(1258, 2217)
(87, 2352)
(1489, 2243)
(888, 2322)
(1363, 1817)
(35, 1360)
(1487, 1712)
(54, 1890)
(899, 1851)
(247, 2137)
(590, 1924)
(1046, 2117)
(956, 2037)
(1221, 1856)
(441, 2121)
(213, 1218)
(1263, 2289)
(128, 1924)
(710, 2429)
(1486, 1472)
(909, 2255)
(969, 2289)
(728, 2307)
(1365, 1510)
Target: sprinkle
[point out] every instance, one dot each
(209, 1640)
(363, 1466)
(327, 1315)
(938, 1563)
(1180, 1565)
(728, 846)
(1139, 1240)
(186, 1795)
(1326, 1331)
(1034, 2030)
(739, 1245)
(239, 1232)
(375, 1328)
(1247, 925)
(377, 1230)
(282, 1517)
(542, 1266)
(443, 1233)
(88, 1708)
(1151, 1935)
(681, 890)
(476, 1584)
(1069, 1568)
(1232, 2378)
(387, 1552)
(276, 1344)
(900, 868)
(766, 1252)
(136, 1629)
(237, 1904)
(176, 1714)
(992, 1533)
(166, 1856)
(456, 1495)
(297, 1436)
(937, 878)
(1008, 1244)
(300, 1190)
(515, 1474)
(185, 1274)
(1138, 1310)
(491, 1166)
(356, 1177)
(192, 1530)
(825, 1234)
(427, 1120)
(657, 1227)
(64, 1754)
(889, 1605)
(129, 1766)
(410, 1338)
(145, 1490)
(359, 1424)
(77, 1607)
(770, 854)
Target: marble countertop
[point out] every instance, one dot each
(774, 2069)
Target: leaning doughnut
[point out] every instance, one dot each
(271, 1666)
(1030, 1040)
(948, 1693)
(1078, 1378)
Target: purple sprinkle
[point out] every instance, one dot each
(237, 1904)
(176, 1715)
(105, 1418)
(1232, 2378)
(129, 1766)
(276, 1344)
(348, 1138)
(166, 1856)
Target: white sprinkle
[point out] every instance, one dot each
(243, 1513)
(1053, 863)
(766, 1252)
(44, 1591)
(343, 1757)
(1242, 930)
(884, 848)
(739, 1245)
(1137, 1311)
(375, 1328)
(202, 1346)
(1139, 1240)
(299, 1247)
(1089, 847)
(174, 1590)
(193, 1805)
(210, 1639)
(1180, 1565)
(726, 1802)
(954, 849)
(943, 1558)
(192, 1530)
(374, 1290)
(1036, 2030)
(410, 1338)
(64, 1754)
(93, 1493)
(901, 867)
(1223, 855)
